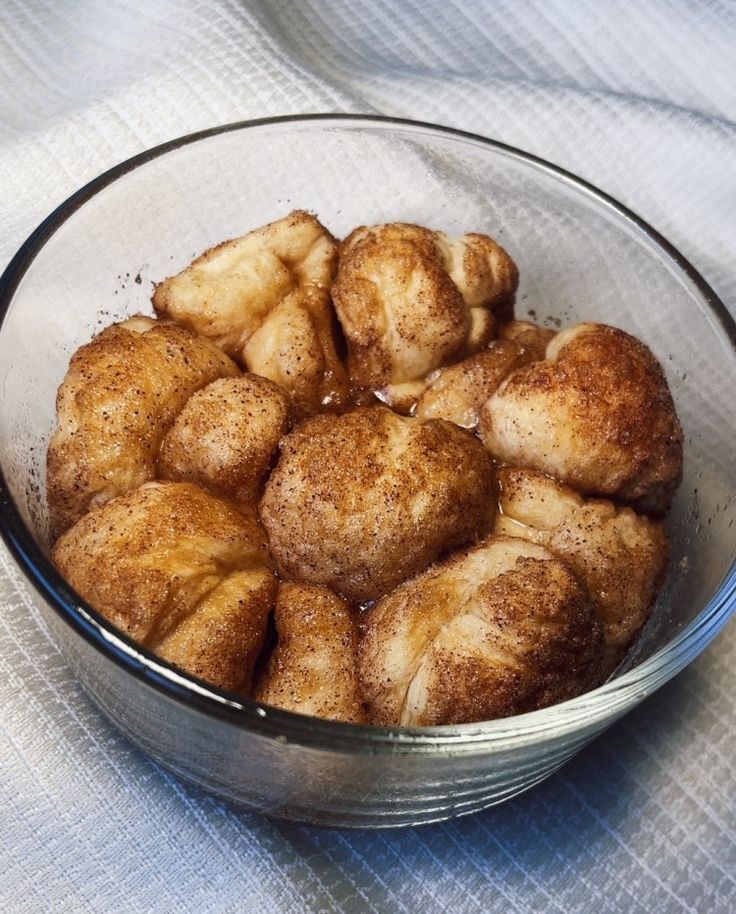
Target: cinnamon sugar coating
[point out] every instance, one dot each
(361, 501)
(226, 436)
(619, 555)
(183, 573)
(117, 401)
(493, 631)
(410, 299)
(313, 669)
(596, 413)
(264, 299)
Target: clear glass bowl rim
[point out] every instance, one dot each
(607, 702)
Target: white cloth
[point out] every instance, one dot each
(640, 99)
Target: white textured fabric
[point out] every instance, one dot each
(639, 98)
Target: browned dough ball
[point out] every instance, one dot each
(115, 404)
(596, 414)
(494, 631)
(183, 573)
(361, 501)
(409, 299)
(265, 299)
(313, 668)
(225, 437)
(458, 392)
(619, 555)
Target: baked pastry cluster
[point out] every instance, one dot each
(342, 479)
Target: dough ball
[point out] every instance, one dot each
(265, 299)
(313, 669)
(619, 555)
(457, 393)
(226, 436)
(114, 406)
(361, 501)
(410, 299)
(597, 414)
(182, 573)
(531, 336)
(494, 631)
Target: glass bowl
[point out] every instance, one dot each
(582, 256)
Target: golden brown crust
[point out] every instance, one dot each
(313, 669)
(493, 631)
(115, 404)
(401, 313)
(264, 299)
(181, 572)
(483, 272)
(361, 501)
(225, 437)
(596, 414)
(406, 296)
(458, 392)
(620, 556)
(221, 640)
